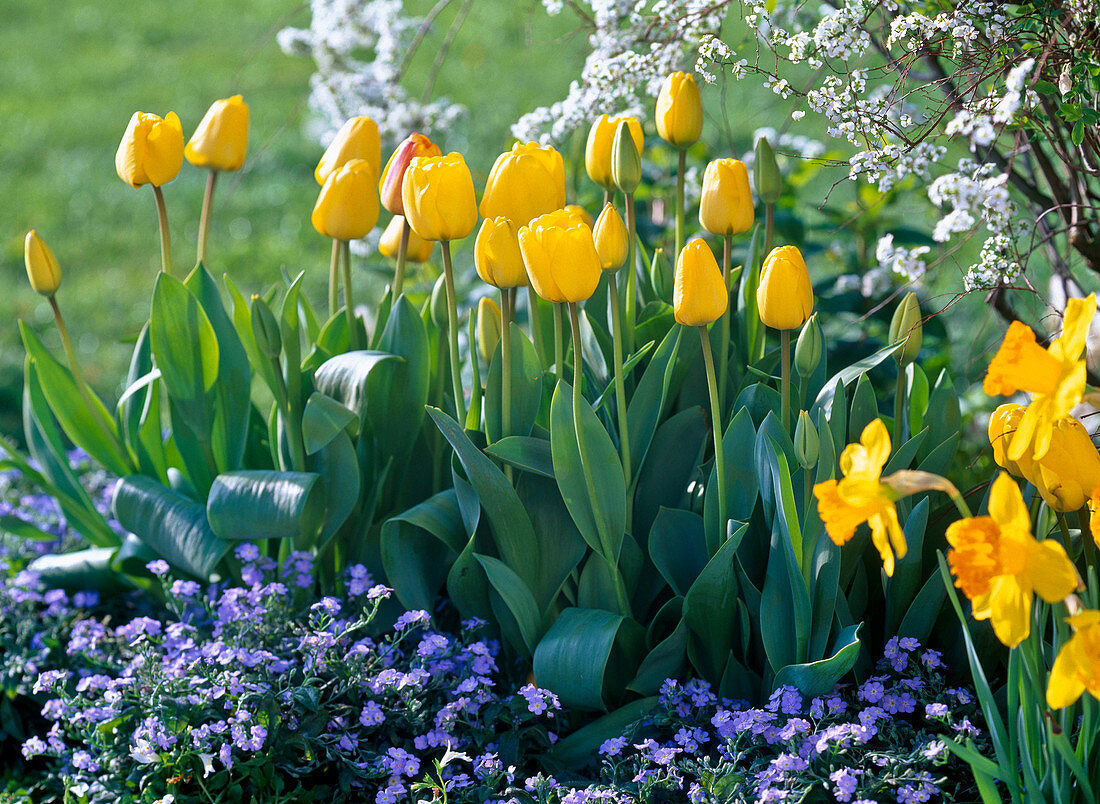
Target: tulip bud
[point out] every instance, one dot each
(597, 151)
(699, 295)
(906, 325)
(660, 275)
(626, 161)
(42, 268)
(347, 207)
(497, 256)
(611, 239)
(438, 197)
(221, 140)
(438, 308)
(1070, 469)
(580, 213)
(418, 249)
(151, 150)
(765, 172)
(726, 205)
(356, 139)
(488, 328)
(265, 329)
(785, 297)
(809, 348)
(393, 176)
(524, 183)
(679, 111)
(806, 441)
(560, 256)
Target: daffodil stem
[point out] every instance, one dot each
(505, 362)
(165, 235)
(716, 427)
(769, 228)
(681, 168)
(334, 280)
(620, 384)
(899, 409)
(559, 348)
(582, 448)
(349, 303)
(536, 327)
(724, 324)
(204, 217)
(452, 333)
(402, 251)
(632, 274)
(785, 379)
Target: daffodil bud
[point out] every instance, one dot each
(785, 297)
(356, 139)
(347, 207)
(611, 239)
(265, 329)
(699, 295)
(438, 308)
(393, 176)
(151, 150)
(488, 328)
(42, 268)
(524, 183)
(765, 172)
(809, 348)
(497, 256)
(560, 256)
(626, 160)
(726, 205)
(906, 325)
(418, 249)
(679, 111)
(807, 443)
(438, 196)
(597, 151)
(660, 275)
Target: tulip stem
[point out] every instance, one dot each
(620, 385)
(165, 236)
(716, 428)
(204, 217)
(785, 378)
(724, 324)
(292, 421)
(505, 362)
(769, 228)
(681, 168)
(452, 333)
(349, 305)
(631, 277)
(899, 409)
(334, 280)
(582, 448)
(402, 251)
(559, 348)
(536, 327)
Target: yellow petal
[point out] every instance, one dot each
(1065, 685)
(1050, 572)
(1010, 610)
(1075, 328)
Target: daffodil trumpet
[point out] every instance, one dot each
(716, 428)
(452, 333)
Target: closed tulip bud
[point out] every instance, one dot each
(347, 207)
(597, 151)
(1070, 469)
(497, 256)
(438, 197)
(807, 443)
(784, 296)
(906, 325)
(560, 256)
(151, 151)
(699, 295)
(765, 172)
(679, 111)
(221, 140)
(488, 328)
(660, 275)
(438, 307)
(626, 160)
(726, 205)
(356, 139)
(418, 249)
(393, 176)
(611, 239)
(265, 329)
(809, 348)
(524, 183)
(42, 268)
(581, 213)
(1003, 425)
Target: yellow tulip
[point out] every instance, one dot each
(42, 268)
(1077, 667)
(784, 296)
(488, 328)
(581, 214)
(393, 176)
(611, 238)
(347, 207)
(356, 139)
(699, 295)
(597, 151)
(1069, 471)
(726, 206)
(151, 151)
(679, 110)
(524, 183)
(560, 256)
(418, 249)
(221, 140)
(497, 256)
(438, 196)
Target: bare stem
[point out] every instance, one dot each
(681, 167)
(620, 384)
(716, 427)
(334, 280)
(165, 235)
(452, 333)
(349, 304)
(204, 218)
(402, 251)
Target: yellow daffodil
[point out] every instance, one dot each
(1070, 469)
(1000, 566)
(1077, 667)
(1055, 377)
(861, 496)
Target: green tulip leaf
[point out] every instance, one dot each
(353, 378)
(851, 373)
(923, 612)
(916, 391)
(909, 572)
(667, 660)
(84, 569)
(943, 416)
(742, 486)
(323, 419)
(517, 597)
(337, 463)
(759, 400)
(139, 411)
(710, 608)
(242, 321)
(263, 504)
(813, 679)
(905, 454)
(678, 547)
(670, 464)
(560, 545)
(397, 412)
(864, 409)
(651, 398)
(526, 377)
(524, 452)
(596, 586)
(419, 547)
(580, 748)
(937, 461)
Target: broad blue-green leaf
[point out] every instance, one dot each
(323, 419)
(916, 389)
(909, 572)
(517, 596)
(924, 610)
(850, 373)
(264, 504)
(670, 464)
(942, 417)
(667, 660)
(903, 456)
(710, 607)
(588, 656)
(825, 586)
(678, 547)
(242, 321)
(170, 523)
(337, 464)
(419, 547)
(524, 452)
(814, 679)
(83, 569)
(864, 409)
(403, 394)
(560, 545)
(526, 388)
(21, 528)
(940, 458)
(741, 482)
(596, 585)
(579, 748)
(139, 411)
(759, 400)
(350, 378)
(650, 398)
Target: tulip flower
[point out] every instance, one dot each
(1069, 471)
(611, 239)
(488, 329)
(905, 325)
(581, 213)
(597, 151)
(151, 152)
(560, 256)
(679, 111)
(356, 139)
(497, 256)
(417, 248)
(726, 205)
(393, 175)
(42, 268)
(524, 183)
(1077, 667)
(219, 143)
(785, 300)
